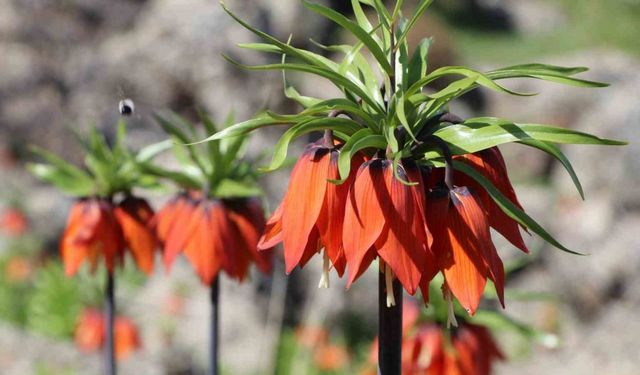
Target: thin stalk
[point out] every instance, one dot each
(390, 301)
(390, 329)
(109, 317)
(214, 332)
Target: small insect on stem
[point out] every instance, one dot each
(126, 107)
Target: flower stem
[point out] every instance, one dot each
(390, 328)
(214, 333)
(109, 313)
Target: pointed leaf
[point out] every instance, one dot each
(509, 208)
(356, 30)
(555, 151)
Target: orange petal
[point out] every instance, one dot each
(273, 230)
(466, 275)
(183, 226)
(133, 215)
(303, 202)
(363, 220)
(109, 241)
(312, 248)
(235, 255)
(199, 248)
(331, 219)
(491, 164)
(248, 218)
(402, 243)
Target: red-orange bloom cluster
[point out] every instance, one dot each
(408, 218)
(96, 229)
(90, 334)
(426, 350)
(459, 220)
(213, 234)
(311, 214)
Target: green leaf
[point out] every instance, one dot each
(151, 151)
(402, 117)
(61, 179)
(180, 178)
(545, 76)
(544, 68)
(228, 188)
(422, 7)
(305, 101)
(508, 207)
(308, 56)
(480, 79)
(340, 81)
(344, 125)
(59, 163)
(480, 133)
(419, 62)
(555, 151)
(358, 141)
(243, 128)
(356, 30)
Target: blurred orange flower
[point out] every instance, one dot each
(311, 336)
(18, 269)
(330, 357)
(13, 222)
(98, 229)
(90, 331)
(127, 338)
(470, 350)
(214, 234)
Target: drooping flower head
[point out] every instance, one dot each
(428, 347)
(107, 220)
(217, 219)
(310, 216)
(395, 133)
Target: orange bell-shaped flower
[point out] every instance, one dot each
(214, 234)
(311, 213)
(462, 243)
(133, 215)
(385, 217)
(92, 233)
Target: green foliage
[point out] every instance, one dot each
(392, 107)
(217, 165)
(55, 304)
(107, 170)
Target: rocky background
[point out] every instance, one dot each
(66, 64)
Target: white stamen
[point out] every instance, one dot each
(451, 316)
(388, 279)
(326, 266)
